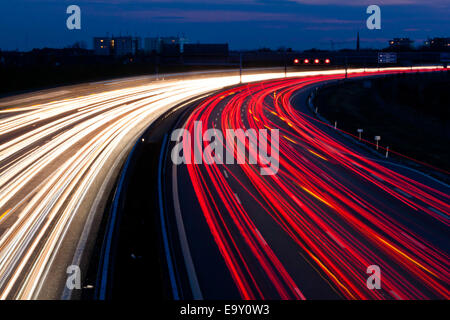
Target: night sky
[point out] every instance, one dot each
(244, 24)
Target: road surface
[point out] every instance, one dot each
(310, 231)
(60, 153)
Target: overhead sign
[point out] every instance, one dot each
(387, 57)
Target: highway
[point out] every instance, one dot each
(60, 153)
(311, 230)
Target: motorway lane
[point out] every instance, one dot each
(54, 158)
(311, 230)
(60, 152)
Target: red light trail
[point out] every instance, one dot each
(337, 206)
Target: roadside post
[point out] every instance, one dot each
(377, 139)
(360, 131)
(346, 66)
(240, 67)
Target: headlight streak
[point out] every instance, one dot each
(337, 224)
(76, 137)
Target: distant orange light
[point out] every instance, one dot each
(296, 61)
(316, 60)
(327, 60)
(306, 61)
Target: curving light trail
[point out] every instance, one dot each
(342, 210)
(51, 156)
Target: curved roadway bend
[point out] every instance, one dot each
(55, 158)
(311, 230)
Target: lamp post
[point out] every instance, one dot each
(240, 67)
(346, 66)
(285, 63)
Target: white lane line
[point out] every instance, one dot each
(417, 243)
(411, 169)
(403, 193)
(335, 239)
(377, 177)
(192, 274)
(225, 174)
(438, 212)
(304, 159)
(260, 236)
(395, 295)
(237, 198)
(357, 164)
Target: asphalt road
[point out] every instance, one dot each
(311, 230)
(60, 152)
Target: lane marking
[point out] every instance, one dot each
(417, 243)
(237, 198)
(335, 239)
(5, 213)
(406, 256)
(403, 193)
(290, 140)
(260, 236)
(377, 177)
(395, 295)
(225, 173)
(186, 251)
(438, 212)
(318, 155)
(330, 274)
(316, 196)
(411, 169)
(356, 164)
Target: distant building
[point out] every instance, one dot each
(157, 44)
(400, 44)
(117, 46)
(152, 45)
(438, 44)
(123, 46)
(102, 46)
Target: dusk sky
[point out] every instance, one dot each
(244, 24)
